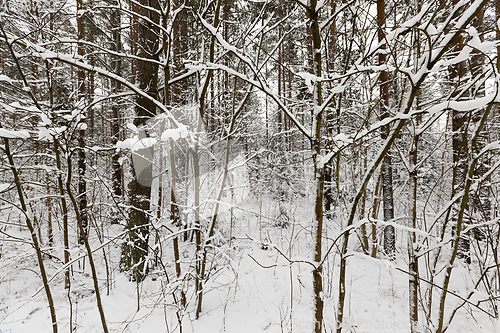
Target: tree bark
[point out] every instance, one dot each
(319, 169)
(179, 53)
(64, 207)
(387, 188)
(135, 251)
(460, 123)
(413, 280)
(412, 216)
(82, 166)
(481, 207)
(116, 66)
(329, 167)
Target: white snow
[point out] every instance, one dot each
(48, 133)
(134, 143)
(5, 78)
(3, 187)
(82, 126)
(476, 43)
(12, 134)
(131, 127)
(344, 138)
(174, 133)
(310, 80)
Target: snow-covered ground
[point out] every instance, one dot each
(253, 288)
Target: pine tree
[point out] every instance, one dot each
(135, 252)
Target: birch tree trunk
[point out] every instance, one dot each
(413, 281)
(412, 216)
(387, 188)
(82, 184)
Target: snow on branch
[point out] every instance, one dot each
(11, 134)
(5, 78)
(463, 21)
(70, 60)
(257, 82)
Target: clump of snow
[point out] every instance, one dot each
(476, 43)
(134, 143)
(342, 138)
(175, 133)
(44, 120)
(310, 80)
(5, 78)
(82, 126)
(132, 127)
(48, 133)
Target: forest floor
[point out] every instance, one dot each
(253, 288)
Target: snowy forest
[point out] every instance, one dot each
(249, 166)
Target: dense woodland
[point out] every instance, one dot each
(154, 143)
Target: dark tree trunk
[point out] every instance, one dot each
(116, 65)
(460, 122)
(179, 52)
(135, 251)
(481, 207)
(64, 207)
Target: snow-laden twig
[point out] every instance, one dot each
(290, 261)
(448, 291)
(65, 266)
(71, 60)
(257, 82)
(462, 22)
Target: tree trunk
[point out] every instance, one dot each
(387, 188)
(329, 168)
(135, 251)
(82, 184)
(175, 217)
(481, 207)
(413, 280)
(462, 209)
(319, 170)
(179, 53)
(412, 216)
(463, 174)
(64, 207)
(376, 205)
(201, 251)
(116, 66)
(460, 124)
(88, 248)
